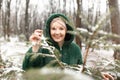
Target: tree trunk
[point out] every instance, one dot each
(78, 22)
(26, 20)
(0, 4)
(115, 22)
(8, 20)
(64, 6)
(4, 24)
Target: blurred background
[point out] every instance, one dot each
(21, 17)
(97, 23)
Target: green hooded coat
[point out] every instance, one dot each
(70, 51)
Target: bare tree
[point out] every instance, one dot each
(64, 6)
(0, 4)
(0, 13)
(6, 20)
(16, 31)
(26, 20)
(115, 22)
(1, 61)
(78, 22)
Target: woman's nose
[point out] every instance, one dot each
(57, 31)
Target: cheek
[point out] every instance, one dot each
(64, 32)
(51, 32)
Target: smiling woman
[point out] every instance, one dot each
(56, 32)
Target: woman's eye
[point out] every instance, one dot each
(61, 28)
(53, 28)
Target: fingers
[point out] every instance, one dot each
(35, 38)
(107, 76)
(38, 32)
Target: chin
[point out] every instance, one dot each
(57, 41)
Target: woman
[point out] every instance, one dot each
(56, 32)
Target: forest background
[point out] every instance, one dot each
(95, 21)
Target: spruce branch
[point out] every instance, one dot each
(95, 32)
(53, 51)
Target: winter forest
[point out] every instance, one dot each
(96, 27)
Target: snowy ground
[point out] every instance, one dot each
(15, 50)
(98, 56)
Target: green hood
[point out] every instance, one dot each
(68, 38)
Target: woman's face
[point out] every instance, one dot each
(58, 31)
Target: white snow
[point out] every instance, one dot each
(13, 53)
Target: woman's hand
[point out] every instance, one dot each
(107, 76)
(35, 39)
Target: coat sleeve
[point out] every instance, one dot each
(25, 64)
(79, 55)
(32, 60)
